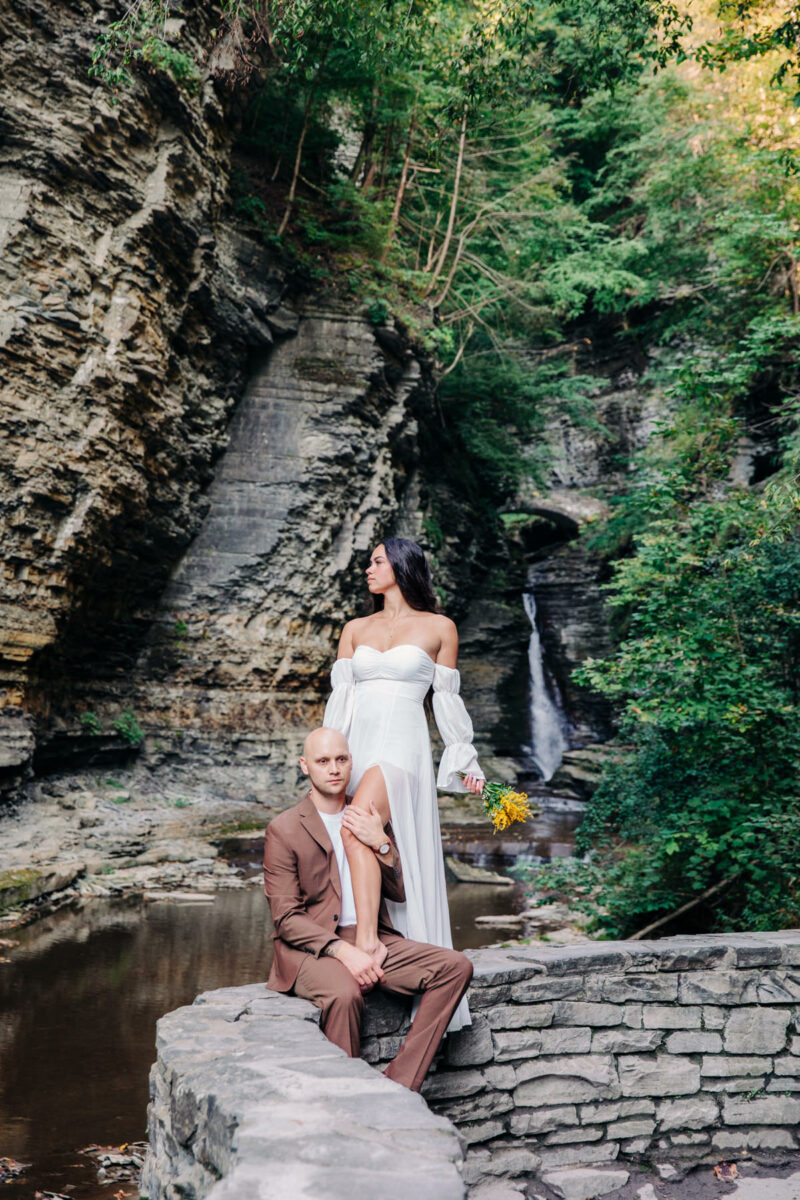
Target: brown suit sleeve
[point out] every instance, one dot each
(392, 884)
(282, 886)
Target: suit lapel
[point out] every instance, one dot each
(315, 826)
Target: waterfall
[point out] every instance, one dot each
(548, 739)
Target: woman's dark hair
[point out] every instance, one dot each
(411, 572)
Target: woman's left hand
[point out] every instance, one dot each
(474, 783)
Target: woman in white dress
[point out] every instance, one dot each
(387, 663)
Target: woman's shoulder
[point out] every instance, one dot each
(445, 628)
(448, 641)
(355, 624)
(350, 635)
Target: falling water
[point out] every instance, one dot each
(548, 741)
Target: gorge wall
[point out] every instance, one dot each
(589, 458)
(323, 456)
(130, 309)
(147, 568)
(135, 312)
(680, 1051)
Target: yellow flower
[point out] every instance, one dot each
(510, 806)
(503, 805)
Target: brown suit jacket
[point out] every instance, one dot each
(301, 880)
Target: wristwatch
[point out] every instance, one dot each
(385, 848)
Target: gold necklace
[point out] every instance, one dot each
(392, 623)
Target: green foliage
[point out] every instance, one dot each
(575, 882)
(129, 728)
(378, 312)
(433, 531)
(90, 723)
(493, 404)
(707, 674)
(143, 36)
(750, 30)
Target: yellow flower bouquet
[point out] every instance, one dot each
(504, 805)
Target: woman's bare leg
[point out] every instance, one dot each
(365, 870)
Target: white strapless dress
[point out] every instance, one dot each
(377, 703)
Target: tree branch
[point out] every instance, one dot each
(678, 912)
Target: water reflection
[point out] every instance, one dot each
(78, 1006)
(550, 835)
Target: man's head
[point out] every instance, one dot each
(327, 762)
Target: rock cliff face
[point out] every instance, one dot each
(148, 569)
(323, 460)
(589, 464)
(136, 318)
(130, 309)
(573, 627)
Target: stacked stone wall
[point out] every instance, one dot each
(682, 1050)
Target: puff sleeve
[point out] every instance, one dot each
(455, 727)
(339, 709)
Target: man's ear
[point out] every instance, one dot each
(303, 765)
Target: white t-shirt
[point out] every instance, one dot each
(333, 824)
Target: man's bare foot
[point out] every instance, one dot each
(376, 950)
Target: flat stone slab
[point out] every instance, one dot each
(247, 1088)
(769, 1189)
(585, 1183)
(465, 873)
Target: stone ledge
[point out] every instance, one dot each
(249, 1100)
(577, 1055)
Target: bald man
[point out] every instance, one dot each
(307, 883)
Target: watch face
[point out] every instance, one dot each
(384, 849)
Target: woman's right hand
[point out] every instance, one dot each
(474, 783)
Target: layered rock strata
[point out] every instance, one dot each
(129, 311)
(322, 461)
(680, 1051)
(136, 317)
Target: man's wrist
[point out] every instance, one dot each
(332, 948)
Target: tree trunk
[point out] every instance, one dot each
(429, 260)
(794, 291)
(287, 212)
(401, 187)
(365, 149)
(387, 142)
(684, 908)
(440, 260)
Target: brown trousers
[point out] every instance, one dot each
(440, 976)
